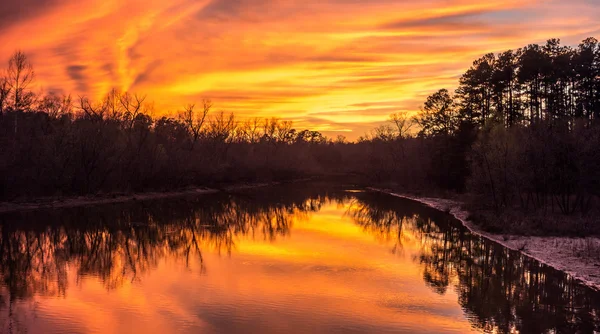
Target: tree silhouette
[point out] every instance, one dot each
(20, 76)
(542, 97)
(438, 116)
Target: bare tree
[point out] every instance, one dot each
(113, 104)
(403, 123)
(222, 127)
(384, 133)
(341, 139)
(4, 93)
(270, 128)
(132, 105)
(250, 130)
(20, 75)
(56, 105)
(195, 121)
(93, 112)
(278, 131)
(285, 132)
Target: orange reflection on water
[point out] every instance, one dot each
(286, 259)
(327, 274)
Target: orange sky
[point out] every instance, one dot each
(339, 66)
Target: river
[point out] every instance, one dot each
(301, 258)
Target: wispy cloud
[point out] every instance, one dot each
(307, 60)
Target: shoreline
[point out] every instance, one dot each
(559, 253)
(71, 202)
(89, 200)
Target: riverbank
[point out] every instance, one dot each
(578, 257)
(70, 202)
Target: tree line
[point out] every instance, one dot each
(538, 110)
(520, 131)
(58, 145)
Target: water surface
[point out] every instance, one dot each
(290, 259)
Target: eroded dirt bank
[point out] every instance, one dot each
(577, 257)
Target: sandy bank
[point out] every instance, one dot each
(577, 257)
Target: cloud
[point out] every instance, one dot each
(77, 74)
(14, 12)
(462, 20)
(312, 61)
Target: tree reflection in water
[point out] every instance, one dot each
(499, 290)
(118, 243)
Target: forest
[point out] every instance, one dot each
(520, 133)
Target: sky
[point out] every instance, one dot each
(337, 66)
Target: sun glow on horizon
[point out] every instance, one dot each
(334, 66)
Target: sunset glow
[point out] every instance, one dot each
(311, 270)
(337, 66)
